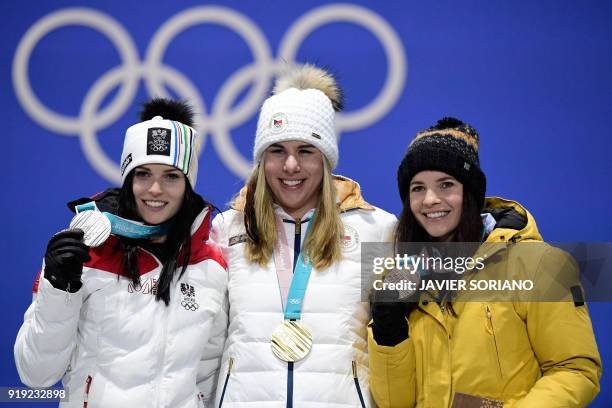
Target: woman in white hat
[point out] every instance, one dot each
(137, 318)
(297, 331)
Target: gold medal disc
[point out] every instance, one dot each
(291, 341)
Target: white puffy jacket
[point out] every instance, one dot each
(114, 345)
(251, 376)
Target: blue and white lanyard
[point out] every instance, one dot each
(126, 228)
(301, 275)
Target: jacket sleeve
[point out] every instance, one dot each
(48, 335)
(388, 229)
(562, 338)
(208, 370)
(392, 373)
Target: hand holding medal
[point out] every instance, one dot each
(69, 249)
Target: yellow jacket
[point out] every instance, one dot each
(527, 354)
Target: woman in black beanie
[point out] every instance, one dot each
(441, 350)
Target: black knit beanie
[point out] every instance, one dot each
(450, 146)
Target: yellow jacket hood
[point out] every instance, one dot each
(514, 222)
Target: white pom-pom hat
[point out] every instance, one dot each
(302, 108)
(161, 141)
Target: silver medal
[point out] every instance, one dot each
(405, 280)
(96, 227)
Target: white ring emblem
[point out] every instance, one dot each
(158, 76)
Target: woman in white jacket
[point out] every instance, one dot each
(140, 320)
(297, 331)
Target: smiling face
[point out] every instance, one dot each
(294, 171)
(158, 191)
(436, 201)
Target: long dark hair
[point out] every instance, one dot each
(469, 229)
(179, 236)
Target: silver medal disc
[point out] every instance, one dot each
(406, 282)
(291, 341)
(95, 225)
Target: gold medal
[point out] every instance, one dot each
(96, 227)
(291, 341)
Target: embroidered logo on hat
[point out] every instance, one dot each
(278, 123)
(158, 141)
(125, 163)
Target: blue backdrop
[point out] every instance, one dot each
(533, 77)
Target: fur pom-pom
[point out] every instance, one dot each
(310, 77)
(448, 122)
(168, 109)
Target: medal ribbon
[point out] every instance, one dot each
(126, 228)
(301, 274)
(282, 261)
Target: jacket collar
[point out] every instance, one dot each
(348, 196)
(528, 233)
(497, 241)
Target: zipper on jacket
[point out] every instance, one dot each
(356, 378)
(229, 370)
(160, 373)
(298, 226)
(86, 393)
(290, 384)
(297, 247)
(297, 241)
(490, 318)
(68, 295)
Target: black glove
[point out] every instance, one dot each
(390, 326)
(66, 253)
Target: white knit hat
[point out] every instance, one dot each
(161, 141)
(302, 108)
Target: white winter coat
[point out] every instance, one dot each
(333, 309)
(115, 346)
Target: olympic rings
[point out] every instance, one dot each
(189, 305)
(157, 76)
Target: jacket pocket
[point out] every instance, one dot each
(357, 386)
(490, 327)
(86, 390)
(227, 376)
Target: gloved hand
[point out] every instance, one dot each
(66, 253)
(390, 326)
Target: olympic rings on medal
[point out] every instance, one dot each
(158, 76)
